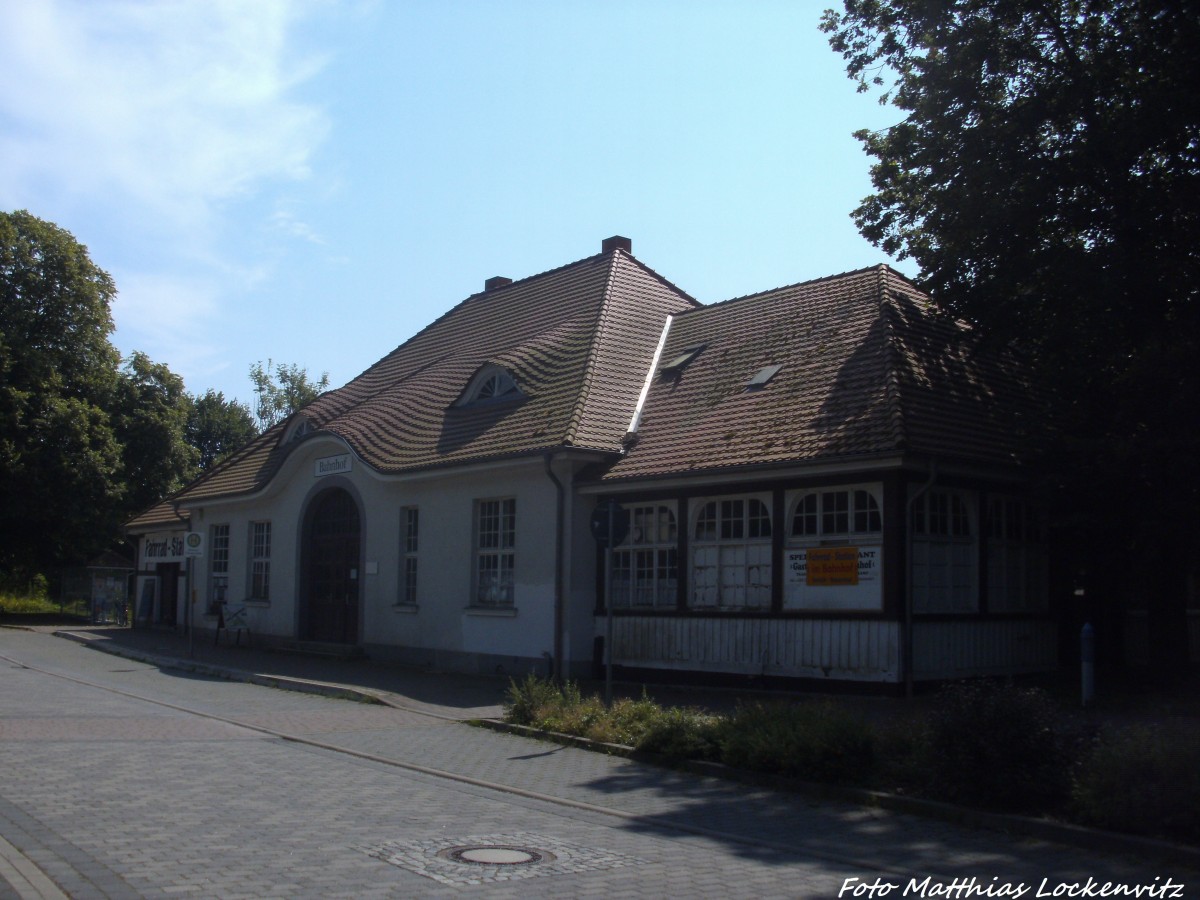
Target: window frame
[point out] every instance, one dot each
(735, 548)
(218, 566)
(409, 570)
(647, 564)
(260, 561)
(496, 548)
(856, 508)
(955, 538)
(1017, 554)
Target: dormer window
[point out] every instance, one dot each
(301, 427)
(491, 383)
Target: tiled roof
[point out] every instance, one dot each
(867, 368)
(578, 341)
(162, 515)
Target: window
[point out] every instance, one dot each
(490, 383)
(495, 545)
(731, 554)
(680, 361)
(944, 553)
(1016, 548)
(837, 514)
(218, 567)
(645, 566)
(260, 560)
(409, 520)
(848, 518)
(302, 427)
(762, 377)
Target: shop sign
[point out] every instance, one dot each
(832, 566)
(829, 566)
(332, 465)
(164, 547)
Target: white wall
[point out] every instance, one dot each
(442, 629)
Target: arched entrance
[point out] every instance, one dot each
(332, 576)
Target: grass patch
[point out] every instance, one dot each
(34, 601)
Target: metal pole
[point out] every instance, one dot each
(191, 604)
(608, 619)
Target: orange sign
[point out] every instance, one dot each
(828, 566)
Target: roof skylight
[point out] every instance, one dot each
(760, 379)
(678, 363)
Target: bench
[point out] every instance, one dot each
(232, 619)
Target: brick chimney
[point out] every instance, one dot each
(496, 281)
(616, 242)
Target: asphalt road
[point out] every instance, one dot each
(123, 779)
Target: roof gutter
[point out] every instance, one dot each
(637, 412)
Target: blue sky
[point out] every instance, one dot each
(314, 181)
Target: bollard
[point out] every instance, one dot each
(1087, 656)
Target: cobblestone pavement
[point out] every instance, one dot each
(225, 789)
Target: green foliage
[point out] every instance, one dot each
(60, 462)
(812, 741)
(680, 734)
(282, 389)
(216, 427)
(525, 699)
(997, 746)
(640, 723)
(150, 413)
(1145, 780)
(1034, 177)
(982, 743)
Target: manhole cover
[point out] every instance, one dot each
(492, 855)
(488, 858)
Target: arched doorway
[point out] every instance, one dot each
(332, 563)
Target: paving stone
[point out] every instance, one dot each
(115, 796)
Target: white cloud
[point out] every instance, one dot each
(165, 312)
(170, 109)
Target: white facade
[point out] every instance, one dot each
(443, 624)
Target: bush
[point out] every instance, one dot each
(526, 699)
(997, 746)
(679, 734)
(1145, 780)
(817, 742)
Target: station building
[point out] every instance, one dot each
(827, 482)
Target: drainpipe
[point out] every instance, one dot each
(908, 585)
(559, 517)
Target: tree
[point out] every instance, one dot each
(282, 389)
(217, 427)
(1043, 178)
(150, 415)
(59, 459)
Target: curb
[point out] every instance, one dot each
(282, 682)
(1013, 825)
